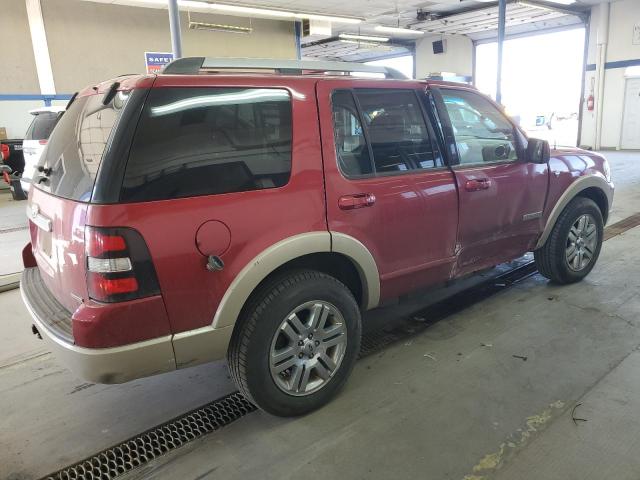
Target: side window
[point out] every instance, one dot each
(482, 132)
(351, 147)
(204, 141)
(397, 131)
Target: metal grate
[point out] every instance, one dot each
(622, 226)
(142, 448)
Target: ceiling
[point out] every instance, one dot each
(472, 18)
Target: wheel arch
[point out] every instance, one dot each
(594, 187)
(338, 255)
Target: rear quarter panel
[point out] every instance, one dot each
(256, 219)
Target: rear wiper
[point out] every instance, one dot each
(45, 174)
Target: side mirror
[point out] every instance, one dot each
(538, 151)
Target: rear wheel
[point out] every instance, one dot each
(296, 343)
(573, 247)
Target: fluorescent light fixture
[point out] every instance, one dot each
(544, 7)
(364, 44)
(369, 38)
(382, 28)
(261, 12)
(219, 27)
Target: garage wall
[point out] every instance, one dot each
(623, 15)
(90, 42)
(17, 67)
(458, 57)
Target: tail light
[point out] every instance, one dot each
(119, 266)
(42, 142)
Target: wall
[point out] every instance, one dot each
(458, 56)
(622, 17)
(90, 42)
(17, 67)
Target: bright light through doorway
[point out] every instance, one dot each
(403, 64)
(541, 82)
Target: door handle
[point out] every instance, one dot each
(477, 184)
(357, 200)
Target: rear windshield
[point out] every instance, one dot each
(42, 126)
(204, 141)
(75, 149)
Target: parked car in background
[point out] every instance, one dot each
(14, 160)
(44, 120)
(256, 216)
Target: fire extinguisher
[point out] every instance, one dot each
(590, 103)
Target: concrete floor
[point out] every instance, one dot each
(469, 410)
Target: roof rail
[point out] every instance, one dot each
(193, 65)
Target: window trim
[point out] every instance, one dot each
(365, 131)
(449, 136)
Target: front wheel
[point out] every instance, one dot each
(296, 343)
(573, 247)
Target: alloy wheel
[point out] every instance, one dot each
(308, 348)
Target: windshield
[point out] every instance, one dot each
(75, 149)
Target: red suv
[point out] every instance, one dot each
(180, 218)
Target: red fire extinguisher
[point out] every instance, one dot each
(590, 103)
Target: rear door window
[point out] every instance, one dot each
(397, 130)
(205, 141)
(42, 125)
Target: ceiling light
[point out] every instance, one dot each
(370, 38)
(219, 28)
(382, 28)
(544, 7)
(265, 12)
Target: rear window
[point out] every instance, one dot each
(42, 125)
(204, 141)
(75, 148)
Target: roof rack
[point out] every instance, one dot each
(193, 65)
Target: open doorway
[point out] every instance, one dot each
(404, 64)
(541, 82)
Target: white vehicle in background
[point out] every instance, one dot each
(44, 119)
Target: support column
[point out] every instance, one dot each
(502, 15)
(174, 26)
(298, 35)
(601, 48)
(40, 47)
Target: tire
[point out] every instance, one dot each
(554, 259)
(266, 331)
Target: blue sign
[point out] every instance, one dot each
(155, 61)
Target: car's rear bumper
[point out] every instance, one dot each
(99, 365)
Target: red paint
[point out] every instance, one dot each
(100, 325)
(421, 227)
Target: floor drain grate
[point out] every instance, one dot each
(622, 226)
(142, 448)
